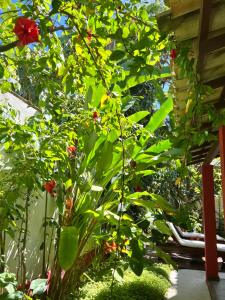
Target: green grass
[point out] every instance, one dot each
(151, 285)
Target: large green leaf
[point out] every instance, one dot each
(162, 203)
(138, 116)
(68, 245)
(136, 260)
(159, 147)
(159, 116)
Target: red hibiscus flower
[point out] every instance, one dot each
(26, 30)
(173, 54)
(49, 186)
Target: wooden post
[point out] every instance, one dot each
(211, 265)
(222, 162)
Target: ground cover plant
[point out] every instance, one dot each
(152, 284)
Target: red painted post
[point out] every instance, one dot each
(222, 162)
(211, 265)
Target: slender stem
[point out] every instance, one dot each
(88, 48)
(120, 202)
(23, 258)
(4, 48)
(45, 232)
(2, 252)
(19, 251)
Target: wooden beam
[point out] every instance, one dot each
(209, 218)
(212, 153)
(217, 82)
(221, 102)
(205, 10)
(215, 43)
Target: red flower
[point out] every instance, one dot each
(173, 54)
(89, 35)
(138, 188)
(26, 30)
(110, 247)
(49, 186)
(72, 149)
(69, 203)
(95, 116)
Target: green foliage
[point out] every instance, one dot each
(92, 53)
(152, 284)
(68, 246)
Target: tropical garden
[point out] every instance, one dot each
(100, 156)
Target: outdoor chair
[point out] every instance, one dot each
(195, 235)
(188, 248)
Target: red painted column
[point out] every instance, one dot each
(211, 265)
(222, 162)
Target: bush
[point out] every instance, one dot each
(151, 285)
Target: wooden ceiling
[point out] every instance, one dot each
(202, 24)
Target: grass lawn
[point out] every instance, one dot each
(151, 285)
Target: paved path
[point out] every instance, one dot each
(188, 285)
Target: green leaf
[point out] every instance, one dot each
(96, 188)
(159, 147)
(162, 203)
(159, 116)
(68, 245)
(38, 286)
(145, 172)
(117, 55)
(55, 6)
(137, 195)
(162, 227)
(118, 275)
(1, 71)
(136, 260)
(144, 203)
(68, 183)
(138, 116)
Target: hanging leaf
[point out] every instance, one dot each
(162, 227)
(162, 203)
(160, 115)
(117, 54)
(136, 260)
(68, 245)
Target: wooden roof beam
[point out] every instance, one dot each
(217, 82)
(205, 10)
(213, 153)
(215, 43)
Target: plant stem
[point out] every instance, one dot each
(9, 46)
(23, 259)
(45, 232)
